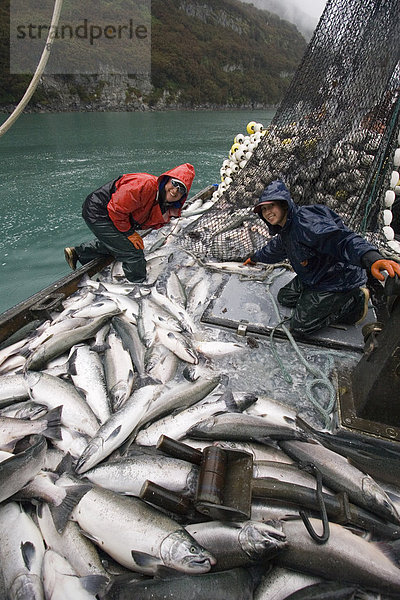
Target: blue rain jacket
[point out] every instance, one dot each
(325, 254)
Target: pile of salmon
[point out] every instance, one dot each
(85, 399)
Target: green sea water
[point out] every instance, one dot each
(50, 162)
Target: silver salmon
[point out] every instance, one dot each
(138, 536)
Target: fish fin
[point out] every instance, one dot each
(89, 536)
(65, 465)
(164, 572)
(62, 512)
(94, 584)
(144, 380)
(230, 401)
(216, 414)
(114, 433)
(72, 363)
(300, 422)
(131, 376)
(39, 510)
(10, 447)
(53, 430)
(25, 352)
(289, 420)
(81, 391)
(128, 442)
(145, 560)
(247, 401)
(28, 552)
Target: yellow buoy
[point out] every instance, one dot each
(251, 127)
(234, 147)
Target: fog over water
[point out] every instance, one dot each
(304, 14)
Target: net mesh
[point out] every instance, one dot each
(332, 140)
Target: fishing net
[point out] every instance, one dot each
(333, 140)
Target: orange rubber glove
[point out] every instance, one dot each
(249, 263)
(391, 266)
(136, 240)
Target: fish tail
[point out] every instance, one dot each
(53, 429)
(73, 495)
(25, 352)
(65, 465)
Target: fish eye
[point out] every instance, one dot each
(193, 549)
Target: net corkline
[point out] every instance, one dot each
(333, 140)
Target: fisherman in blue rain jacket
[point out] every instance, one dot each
(329, 259)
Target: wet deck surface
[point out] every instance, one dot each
(251, 305)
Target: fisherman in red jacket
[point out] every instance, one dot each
(119, 208)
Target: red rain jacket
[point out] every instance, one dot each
(131, 202)
(136, 196)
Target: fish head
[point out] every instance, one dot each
(262, 540)
(26, 585)
(89, 455)
(32, 378)
(181, 552)
(377, 497)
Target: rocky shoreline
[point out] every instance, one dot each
(39, 108)
(115, 93)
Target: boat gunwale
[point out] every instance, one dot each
(27, 311)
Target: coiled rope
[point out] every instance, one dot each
(38, 73)
(320, 378)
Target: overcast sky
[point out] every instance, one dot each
(314, 8)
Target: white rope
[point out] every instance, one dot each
(39, 70)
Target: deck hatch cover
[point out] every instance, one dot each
(247, 301)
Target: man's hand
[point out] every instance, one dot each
(136, 240)
(391, 266)
(249, 263)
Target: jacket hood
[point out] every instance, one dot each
(185, 173)
(275, 191)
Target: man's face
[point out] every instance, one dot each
(274, 213)
(172, 193)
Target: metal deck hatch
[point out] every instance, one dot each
(246, 306)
